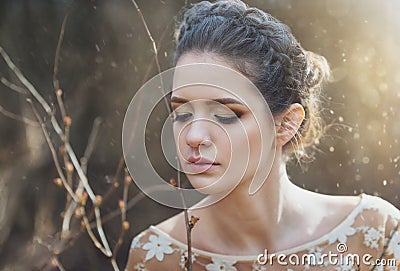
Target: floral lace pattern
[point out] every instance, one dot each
(366, 230)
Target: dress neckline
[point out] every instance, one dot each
(345, 222)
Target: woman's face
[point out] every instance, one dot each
(217, 135)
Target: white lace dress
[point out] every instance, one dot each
(367, 239)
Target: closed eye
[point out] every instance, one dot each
(227, 119)
(181, 117)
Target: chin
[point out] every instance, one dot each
(210, 186)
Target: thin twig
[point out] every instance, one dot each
(61, 105)
(100, 231)
(32, 90)
(17, 117)
(24, 81)
(114, 264)
(128, 181)
(91, 143)
(188, 228)
(56, 262)
(96, 242)
(59, 43)
(13, 87)
(155, 52)
(84, 160)
(122, 207)
(53, 152)
(132, 202)
(59, 94)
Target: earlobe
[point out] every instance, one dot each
(289, 123)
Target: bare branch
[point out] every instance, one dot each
(32, 90)
(24, 81)
(122, 207)
(56, 262)
(59, 43)
(101, 231)
(96, 242)
(53, 152)
(60, 102)
(188, 262)
(114, 264)
(12, 86)
(132, 202)
(17, 117)
(91, 143)
(84, 160)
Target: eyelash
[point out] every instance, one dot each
(227, 120)
(181, 117)
(224, 120)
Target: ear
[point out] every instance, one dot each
(288, 123)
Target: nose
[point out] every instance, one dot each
(198, 133)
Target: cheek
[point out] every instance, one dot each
(255, 142)
(252, 151)
(223, 142)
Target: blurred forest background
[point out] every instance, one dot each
(106, 56)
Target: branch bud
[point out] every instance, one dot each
(58, 182)
(193, 221)
(67, 121)
(59, 92)
(78, 213)
(128, 180)
(54, 262)
(99, 199)
(121, 205)
(125, 225)
(172, 182)
(69, 167)
(84, 198)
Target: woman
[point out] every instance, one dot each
(280, 226)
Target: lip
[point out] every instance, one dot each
(197, 168)
(198, 165)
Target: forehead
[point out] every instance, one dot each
(207, 76)
(203, 92)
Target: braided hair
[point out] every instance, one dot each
(263, 49)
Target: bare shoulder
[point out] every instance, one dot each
(373, 208)
(335, 206)
(343, 204)
(330, 210)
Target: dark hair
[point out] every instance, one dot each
(263, 49)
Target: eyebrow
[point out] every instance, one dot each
(180, 100)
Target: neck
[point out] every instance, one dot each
(260, 218)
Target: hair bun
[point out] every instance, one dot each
(317, 70)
